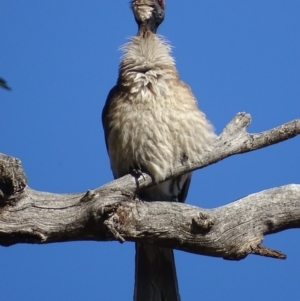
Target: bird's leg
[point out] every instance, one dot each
(137, 173)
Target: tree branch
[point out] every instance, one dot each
(113, 211)
(233, 140)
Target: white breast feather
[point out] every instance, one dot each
(157, 121)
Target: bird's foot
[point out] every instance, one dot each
(137, 173)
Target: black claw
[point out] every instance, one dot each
(137, 173)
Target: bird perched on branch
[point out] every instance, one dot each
(3, 84)
(152, 123)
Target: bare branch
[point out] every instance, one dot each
(113, 212)
(232, 231)
(233, 140)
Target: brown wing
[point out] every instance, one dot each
(110, 97)
(105, 123)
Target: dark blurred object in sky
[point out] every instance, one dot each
(3, 84)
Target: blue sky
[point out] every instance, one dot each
(61, 59)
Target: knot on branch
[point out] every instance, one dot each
(111, 218)
(12, 177)
(110, 224)
(202, 223)
(89, 196)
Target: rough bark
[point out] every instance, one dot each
(113, 211)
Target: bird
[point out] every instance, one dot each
(152, 123)
(3, 84)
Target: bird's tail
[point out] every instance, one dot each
(155, 274)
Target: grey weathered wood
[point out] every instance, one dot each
(113, 212)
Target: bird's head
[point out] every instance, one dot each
(149, 13)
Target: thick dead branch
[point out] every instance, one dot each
(113, 212)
